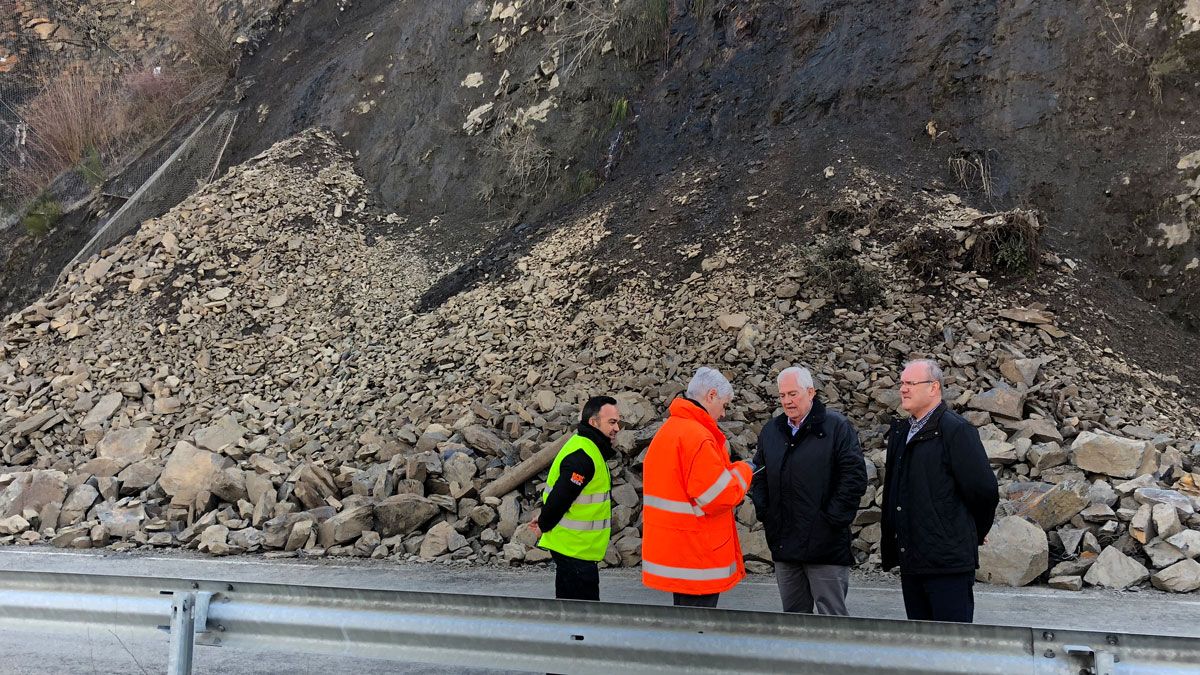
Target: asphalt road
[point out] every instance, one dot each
(95, 651)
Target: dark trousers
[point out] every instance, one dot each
(686, 600)
(575, 579)
(939, 597)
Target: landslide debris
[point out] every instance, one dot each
(249, 373)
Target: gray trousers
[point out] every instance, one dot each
(801, 586)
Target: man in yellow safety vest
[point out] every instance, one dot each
(577, 506)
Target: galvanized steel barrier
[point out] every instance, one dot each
(558, 636)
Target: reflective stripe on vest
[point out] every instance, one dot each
(673, 506)
(584, 525)
(583, 531)
(689, 573)
(598, 498)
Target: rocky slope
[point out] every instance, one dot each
(252, 372)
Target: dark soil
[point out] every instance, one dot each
(759, 96)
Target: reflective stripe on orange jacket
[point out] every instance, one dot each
(689, 534)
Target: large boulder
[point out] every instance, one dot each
(345, 526)
(441, 539)
(1182, 577)
(1111, 455)
(1059, 504)
(127, 446)
(1188, 542)
(460, 468)
(1002, 400)
(33, 490)
(104, 409)
(1016, 553)
(1152, 495)
(220, 437)
(403, 514)
(122, 522)
(484, 440)
(1114, 569)
(190, 471)
(77, 504)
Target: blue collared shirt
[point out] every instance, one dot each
(916, 425)
(796, 427)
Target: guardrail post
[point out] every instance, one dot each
(183, 633)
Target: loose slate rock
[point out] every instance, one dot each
(1114, 569)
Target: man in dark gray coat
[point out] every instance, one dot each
(807, 495)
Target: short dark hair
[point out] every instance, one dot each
(593, 406)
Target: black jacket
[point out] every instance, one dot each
(940, 496)
(808, 494)
(565, 490)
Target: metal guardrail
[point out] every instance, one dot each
(559, 636)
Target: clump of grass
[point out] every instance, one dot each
(41, 215)
(586, 182)
(619, 113)
(971, 169)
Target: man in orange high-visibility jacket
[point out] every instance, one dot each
(690, 544)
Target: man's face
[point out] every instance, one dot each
(608, 421)
(714, 404)
(917, 394)
(796, 400)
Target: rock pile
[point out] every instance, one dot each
(247, 374)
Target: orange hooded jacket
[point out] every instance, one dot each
(690, 490)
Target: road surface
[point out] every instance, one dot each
(876, 595)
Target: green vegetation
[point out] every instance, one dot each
(586, 182)
(92, 168)
(620, 112)
(43, 213)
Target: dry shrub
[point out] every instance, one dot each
(1007, 243)
(203, 38)
(834, 266)
(67, 117)
(528, 160)
(583, 27)
(928, 253)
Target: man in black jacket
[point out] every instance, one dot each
(939, 500)
(806, 496)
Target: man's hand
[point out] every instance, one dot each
(533, 525)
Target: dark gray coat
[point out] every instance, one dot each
(809, 492)
(940, 496)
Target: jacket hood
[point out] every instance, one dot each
(686, 408)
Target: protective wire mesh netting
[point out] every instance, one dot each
(192, 165)
(102, 120)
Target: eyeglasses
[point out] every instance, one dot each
(905, 383)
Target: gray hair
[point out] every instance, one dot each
(706, 379)
(935, 371)
(803, 377)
